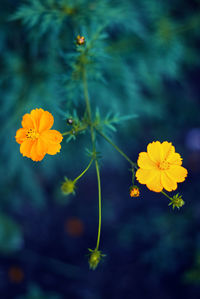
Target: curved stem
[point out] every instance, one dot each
(88, 109)
(99, 189)
(117, 148)
(84, 171)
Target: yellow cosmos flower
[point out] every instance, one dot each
(160, 167)
(35, 137)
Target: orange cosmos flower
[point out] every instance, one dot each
(35, 136)
(160, 167)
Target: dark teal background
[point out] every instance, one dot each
(147, 65)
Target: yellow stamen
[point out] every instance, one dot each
(32, 134)
(164, 165)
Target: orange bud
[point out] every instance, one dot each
(134, 191)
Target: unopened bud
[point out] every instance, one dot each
(80, 40)
(68, 187)
(94, 259)
(134, 191)
(177, 201)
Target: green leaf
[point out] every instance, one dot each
(111, 120)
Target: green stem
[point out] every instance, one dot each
(84, 171)
(166, 195)
(133, 175)
(99, 189)
(74, 131)
(86, 95)
(117, 148)
(88, 109)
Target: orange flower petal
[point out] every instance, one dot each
(53, 149)
(154, 151)
(52, 139)
(168, 183)
(174, 158)
(177, 173)
(46, 121)
(51, 136)
(145, 162)
(26, 147)
(34, 154)
(36, 115)
(36, 138)
(20, 135)
(41, 147)
(27, 122)
(154, 184)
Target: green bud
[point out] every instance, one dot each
(177, 201)
(94, 259)
(68, 187)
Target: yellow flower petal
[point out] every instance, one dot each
(154, 151)
(20, 135)
(177, 173)
(168, 183)
(145, 162)
(167, 148)
(154, 184)
(46, 121)
(174, 158)
(144, 175)
(160, 167)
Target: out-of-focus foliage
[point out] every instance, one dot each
(192, 276)
(134, 48)
(35, 293)
(11, 238)
(143, 60)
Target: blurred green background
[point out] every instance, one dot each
(146, 64)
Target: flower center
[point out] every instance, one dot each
(164, 165)
(32, 134)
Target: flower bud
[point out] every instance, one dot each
(80, 40)
(68, 187)
(94, 259)
(177, 201)
(134, 191)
